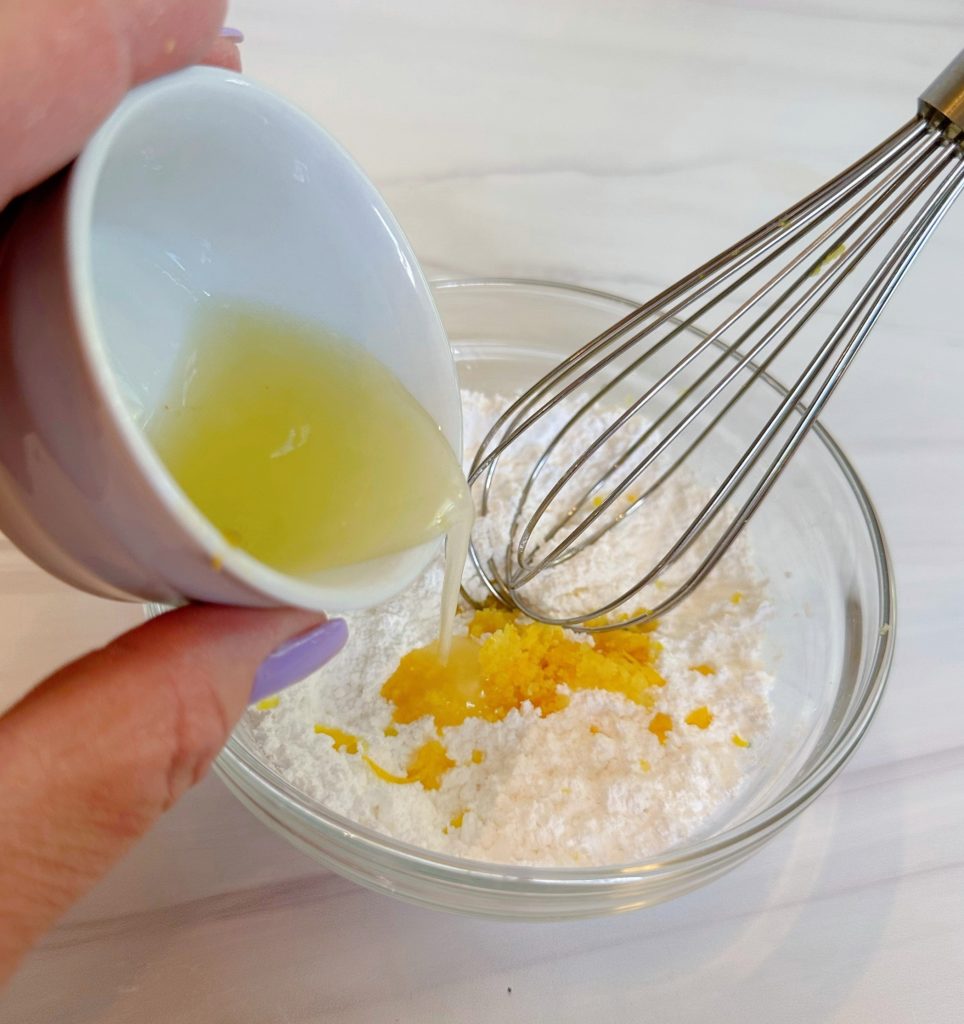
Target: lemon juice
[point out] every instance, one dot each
(305, 451)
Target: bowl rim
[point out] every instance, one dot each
(227, 87)
(251, 776)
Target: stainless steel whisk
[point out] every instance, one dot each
(768, 290)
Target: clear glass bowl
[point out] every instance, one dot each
(831, 637)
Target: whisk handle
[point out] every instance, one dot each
(945, 95)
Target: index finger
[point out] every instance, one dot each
(65, 64)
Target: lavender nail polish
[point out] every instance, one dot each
(298, 657)
(234, 34)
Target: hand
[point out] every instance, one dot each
(92, 757)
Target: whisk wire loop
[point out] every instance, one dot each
(825, 284)
(653, 397)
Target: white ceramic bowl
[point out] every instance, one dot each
(201, 185)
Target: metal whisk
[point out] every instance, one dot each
(655, 396)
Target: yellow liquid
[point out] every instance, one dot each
(306, 452)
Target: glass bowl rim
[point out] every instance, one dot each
(266, 788)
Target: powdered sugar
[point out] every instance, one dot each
(588, 785)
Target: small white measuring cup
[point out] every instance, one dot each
(200, 184)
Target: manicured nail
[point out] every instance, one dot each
(299, 657)
(234, 34)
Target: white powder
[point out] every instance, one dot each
(570, 788)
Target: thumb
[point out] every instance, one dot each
(92, 757)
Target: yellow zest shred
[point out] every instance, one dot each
(268, 703)
(835, 253)
(342, 740)
(704, 669)
(384, 775)
(490, 620)
(736, 597)
(660, 726)
(739, 741)
(700, 717)
(478, 756)
(427, 765)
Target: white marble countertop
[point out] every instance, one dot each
(611, 143)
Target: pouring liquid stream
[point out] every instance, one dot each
(307, 453)
(456, 551)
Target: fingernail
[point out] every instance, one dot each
(234, 34)
(298, 657)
